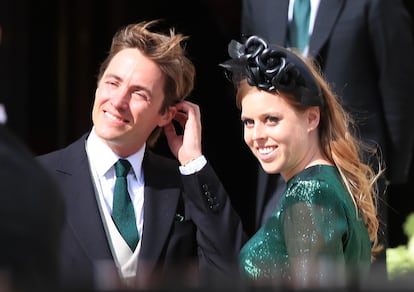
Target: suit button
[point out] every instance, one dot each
(211, 199)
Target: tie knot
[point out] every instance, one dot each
(122, 167)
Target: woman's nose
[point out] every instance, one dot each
(258, 131)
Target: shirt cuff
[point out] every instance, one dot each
(193, 166)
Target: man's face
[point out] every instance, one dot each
(127, 102)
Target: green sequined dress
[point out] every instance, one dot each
(315, 229)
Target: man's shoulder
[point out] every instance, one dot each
(156, 160)
(74, 146)
(72, 154)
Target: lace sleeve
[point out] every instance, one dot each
(314, 235)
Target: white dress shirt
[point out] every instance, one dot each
(101, 161)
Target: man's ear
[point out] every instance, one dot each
(167, 116)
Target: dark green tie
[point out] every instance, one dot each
(299, 27)
(122, 209)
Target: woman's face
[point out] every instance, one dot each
(282, 139)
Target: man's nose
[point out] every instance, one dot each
(120, 97)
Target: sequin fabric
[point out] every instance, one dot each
(314, 233)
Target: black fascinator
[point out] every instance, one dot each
(272, 68)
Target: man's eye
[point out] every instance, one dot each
(140, 94)
(111, 83)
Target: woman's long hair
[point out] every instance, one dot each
(353, 158)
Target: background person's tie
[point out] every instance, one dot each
(299, 27)
(122, 209)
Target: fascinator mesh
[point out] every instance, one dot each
(271, 68)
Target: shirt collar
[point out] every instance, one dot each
(97, 150)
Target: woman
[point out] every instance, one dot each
(324, 231)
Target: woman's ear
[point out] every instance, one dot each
(167, 116)
(313, 117)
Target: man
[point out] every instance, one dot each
(183, 226)
(369, 65)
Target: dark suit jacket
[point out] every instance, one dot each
(366, 52)
(210, 235)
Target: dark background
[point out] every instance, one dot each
(50, 54)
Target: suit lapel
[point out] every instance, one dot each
(161, 197)
(328, 14)
(159, 213)
(83, 214)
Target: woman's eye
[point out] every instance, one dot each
(247, 122)
(272, 120)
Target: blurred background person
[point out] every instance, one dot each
(32, 211)
(31, 220)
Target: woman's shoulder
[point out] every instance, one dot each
(318, 183)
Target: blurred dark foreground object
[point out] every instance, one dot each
(31, 220)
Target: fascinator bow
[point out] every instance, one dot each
(272, 68)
